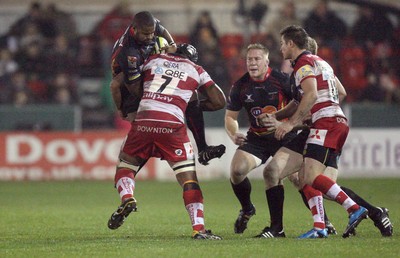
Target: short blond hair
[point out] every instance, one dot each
(258, 46)
(312, 45)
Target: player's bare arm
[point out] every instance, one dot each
(232, 127)
(172, 47)
(115, 84)
(341, 90)
(309, 87)
(215, 100)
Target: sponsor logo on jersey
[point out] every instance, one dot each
(304, 72)
(150, 129)
(317, 136)
(256, 111)
(248, 98)
(171, 65)
(170, 73)
(156, 96)
(132, 61)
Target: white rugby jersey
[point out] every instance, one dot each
(168, 84)
(327, 104)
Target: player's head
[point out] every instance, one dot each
(188, 51)
(257, 61)
(293, 38)
(144, 25)
(312, 46)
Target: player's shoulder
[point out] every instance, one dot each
(280, 75)
(242, 80)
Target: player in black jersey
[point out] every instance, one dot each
(260, 90)
(129, 53)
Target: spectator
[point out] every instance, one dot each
(7, 63)
(257, 13)
(63, 89)
(17, 89)
(286, 16)
(35, 15)
(110, 28)
(325, 26)
(30, 35)
(203, 21)
(60, 57)
(371, 27)
(31, 60)
(64, 24)
(373, 92)
(205, 38)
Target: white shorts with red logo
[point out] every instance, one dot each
(167, 141)
(330, 132)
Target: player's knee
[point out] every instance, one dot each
(295, 180)
(184, 166)
(125, 164)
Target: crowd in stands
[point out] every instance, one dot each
(42, 56)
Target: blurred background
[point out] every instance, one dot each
(57, 118)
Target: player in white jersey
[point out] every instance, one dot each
(169, 81)
(317, 95)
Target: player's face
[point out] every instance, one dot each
(257, 63)
(286, 49)
(144, 35)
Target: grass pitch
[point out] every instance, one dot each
(68, 219)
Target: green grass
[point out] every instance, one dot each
(68, 219)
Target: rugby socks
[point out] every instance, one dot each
(372, 210)
(195, 122)
(306, 204)
(125, 183)
(193, 199)
(316, 206)
(242, 192)
(333, 190)
(275, 199)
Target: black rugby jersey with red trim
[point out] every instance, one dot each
(257, 97)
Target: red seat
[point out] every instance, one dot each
(181, 38)
(231, 39)
(328, 54)
(352, 61)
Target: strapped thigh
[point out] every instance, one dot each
(184, 166)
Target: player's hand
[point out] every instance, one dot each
(283, 129)
(267, 120)
(170, 48)
(239, 139)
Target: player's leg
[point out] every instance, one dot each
(195, 122)
(379, 215)
(124, 181)
(316, 158)
(183, 164)
(330, 228)
(192, 197)
(242, 163)
(284, 162)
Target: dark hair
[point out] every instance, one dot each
(297, 34)
(143, 19)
